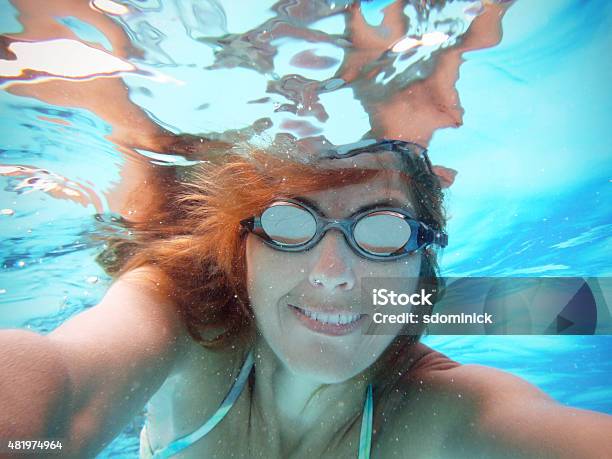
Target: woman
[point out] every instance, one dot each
(238, 316)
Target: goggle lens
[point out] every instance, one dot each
(382, 233)
(288, 224)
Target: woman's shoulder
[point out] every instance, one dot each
(441, 374)
(412, 374)
(406, 363)
(425, 361)
(148, 278)
(448, 396)
(433, 373)
(152, 282)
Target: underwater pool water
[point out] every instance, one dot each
(531, 198)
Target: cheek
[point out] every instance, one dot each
(405, 267)
(270, 273)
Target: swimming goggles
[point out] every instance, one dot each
(378, 233)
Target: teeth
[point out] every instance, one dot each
(336, 319)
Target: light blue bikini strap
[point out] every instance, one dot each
(365, 437)
(227, 403)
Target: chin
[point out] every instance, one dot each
(328, 361)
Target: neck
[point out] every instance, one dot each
(300, 406)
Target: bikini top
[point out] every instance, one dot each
(365, 437)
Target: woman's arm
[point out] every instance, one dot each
(474, 411)
(513, 418)
(86, 380)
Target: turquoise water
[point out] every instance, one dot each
(532, 195)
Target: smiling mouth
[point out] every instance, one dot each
(328, 323)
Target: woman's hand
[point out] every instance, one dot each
(415, 109)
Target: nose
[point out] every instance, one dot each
(332, 269)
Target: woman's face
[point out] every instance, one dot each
(326, 279)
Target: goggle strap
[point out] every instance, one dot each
(427, 236)
(248, 223)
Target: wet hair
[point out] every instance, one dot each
(198, 242)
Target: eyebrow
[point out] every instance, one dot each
(385, 202)
(380, 202)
